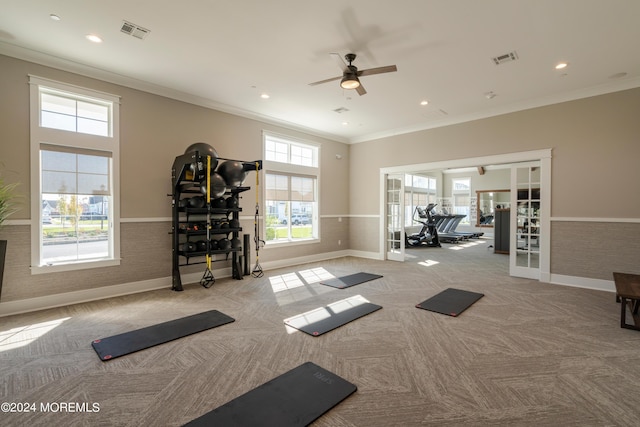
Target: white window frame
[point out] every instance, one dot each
(466, 220)
(289, 169)
(411, 191)
(73, 140)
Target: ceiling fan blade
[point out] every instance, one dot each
(360, 90)
(338, 59)
(379, 70)
(325, 81)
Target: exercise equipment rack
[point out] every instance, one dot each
(199, 220)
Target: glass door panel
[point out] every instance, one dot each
(526, 230)
(395, 217)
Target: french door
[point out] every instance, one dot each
(394, 217)
(526, 226)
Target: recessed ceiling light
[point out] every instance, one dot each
(54, 17)
(561, 65)
(424, 102)
(264, 96)
(93, 38)
(345, 123)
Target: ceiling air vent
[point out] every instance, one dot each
(134, 30)
(341, 110)
(507, 57)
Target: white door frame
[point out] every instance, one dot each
(542, 155)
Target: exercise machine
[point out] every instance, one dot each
(428, 234)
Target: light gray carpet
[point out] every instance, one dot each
(526, 354)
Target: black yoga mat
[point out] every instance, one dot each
(350, 280)
(139, 339)
(296, 398)
(321, 320)
(451, 301)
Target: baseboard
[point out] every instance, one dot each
(68, 298)
(272, 265)
(583, 282)
(368, 255)
(76, 297)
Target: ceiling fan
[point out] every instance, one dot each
(349, 78)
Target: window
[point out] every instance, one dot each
(291, 190)
(419, 191)
(461, 194)
(283, 151)
(67, 112)
(74, 158)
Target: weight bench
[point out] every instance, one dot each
(628, 288)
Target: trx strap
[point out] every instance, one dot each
(257, 269)
(207, 278)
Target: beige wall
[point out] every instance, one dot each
(153, 131)
(595, 146)
(595, 151)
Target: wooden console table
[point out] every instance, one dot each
(628, 287)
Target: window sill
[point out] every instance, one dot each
(73, 266)
(280, 244)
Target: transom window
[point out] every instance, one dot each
(59, 110)
(283, 151)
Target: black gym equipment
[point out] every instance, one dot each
(224, 244)
(350, 280)
(204, 150)
(201, 245)
(451, 301)
(257, 269)
(428, 234)
(188, 247)
(356, 308)
(140, 339)
(218, 203)
(202, 186)
(447, 224)
(197, 202)
(296, 398)
(217, 186)
(233, 172)
(236, 243)
(231, 202)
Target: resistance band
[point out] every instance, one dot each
(207, 278)
(257, 269)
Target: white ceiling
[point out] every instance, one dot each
(225, 54)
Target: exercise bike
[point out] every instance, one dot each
(428, 235)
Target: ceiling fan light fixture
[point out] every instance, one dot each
(350, 81)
